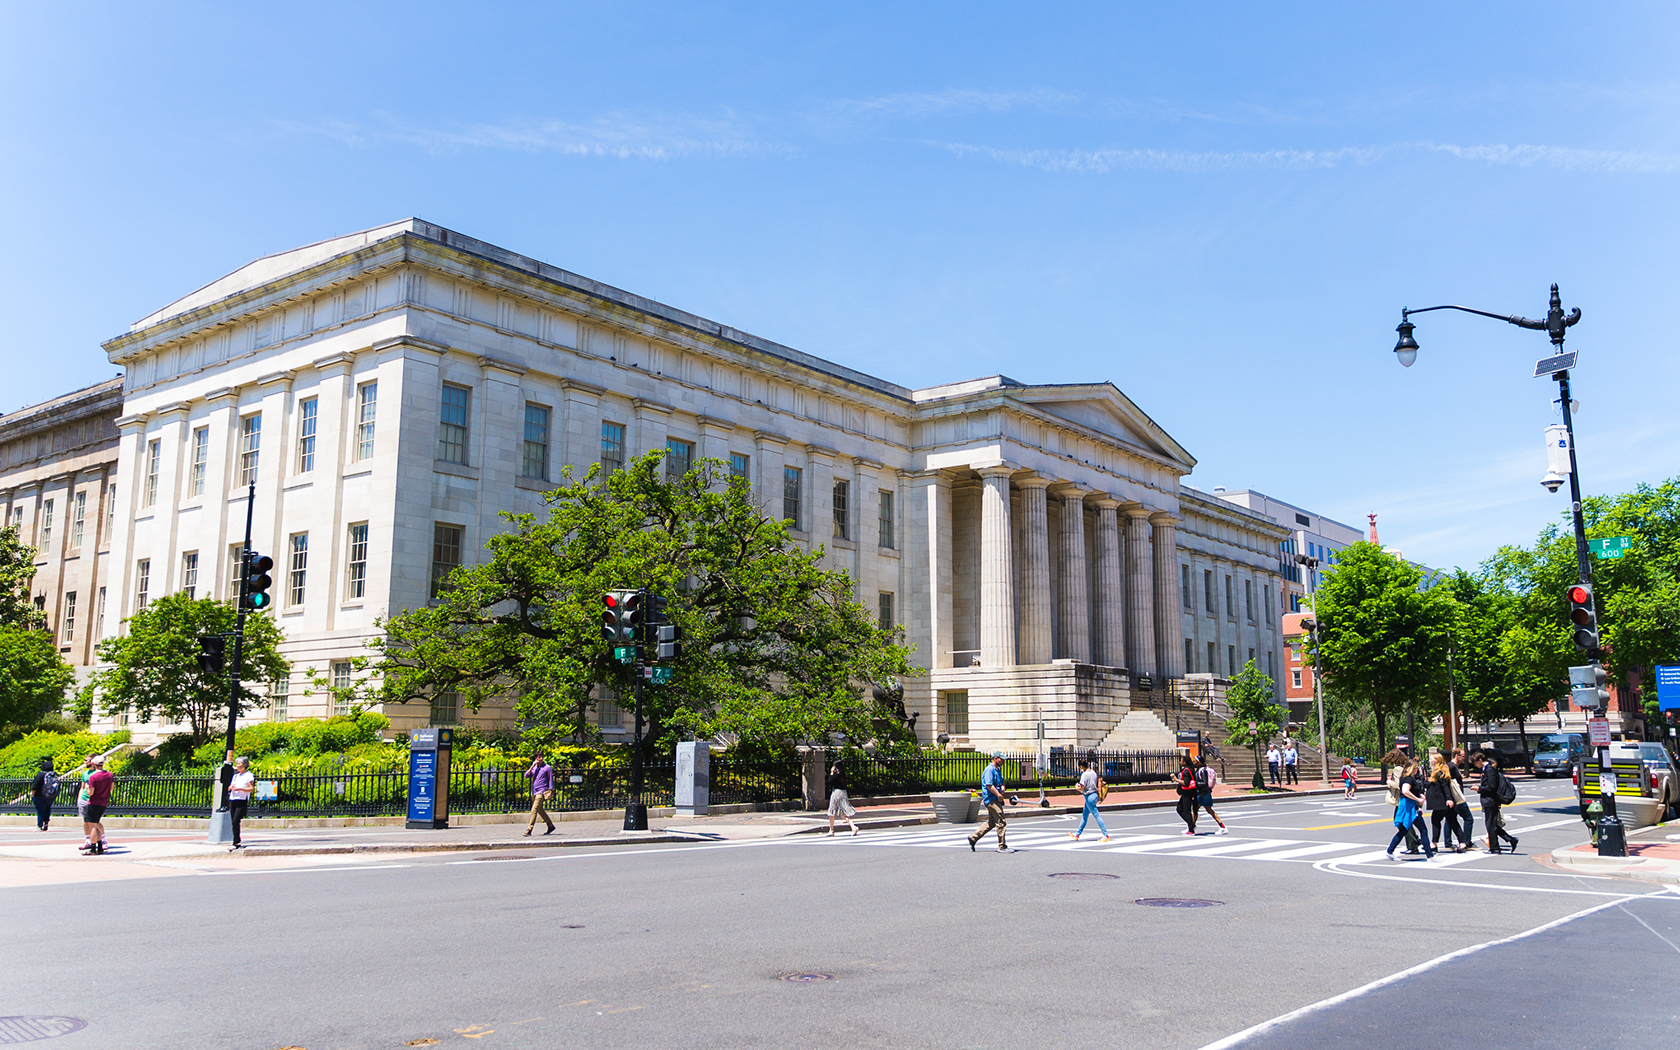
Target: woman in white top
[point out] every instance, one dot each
(239, 796)
(1088, 784)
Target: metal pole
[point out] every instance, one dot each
(635, 814)
(221, 823)
(1452, 705)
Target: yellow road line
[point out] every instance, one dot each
(1388, 820)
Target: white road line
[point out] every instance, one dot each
(1239, 846)
(1182, 842)
(1306, 851)
(1334, 867)
(1237, 1038)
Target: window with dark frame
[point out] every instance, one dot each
(200, 460)
(739, 464)
(452, 424)
(154, 456)
(297, 569)
(887, 538)
(679, 458)
(1189, 654)
(142, 582)
(612, 447)
(1230, 599)
(250, 444)
(842, 510)
(189, 574)
(70, 616)
(534, 462)
(355, 584)
(793, 480)
(367, 408)
(956, 712)
(884, 611)
(306, 435)
(446, 554)
(1207, 588)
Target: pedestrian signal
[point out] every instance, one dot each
(210, 650)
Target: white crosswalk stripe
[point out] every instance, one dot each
(1233, 847)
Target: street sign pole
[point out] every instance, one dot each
(635, 812)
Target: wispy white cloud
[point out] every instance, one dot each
(956, 100)
(627, 136)
(1608, 162)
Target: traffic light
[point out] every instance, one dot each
(669, 640)
(257, 581)
(615, 625)
(210, 649)
(1587, 686)
(1584, 617)
(636, 610)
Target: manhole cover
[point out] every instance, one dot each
(1176, 902)
(808, 978)
(29, 1029)
(570, 926)
(1081, 875)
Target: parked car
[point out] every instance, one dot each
(1664, 776)
(1510, 750)
(1557, 753)
(1647, 782)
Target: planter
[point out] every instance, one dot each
(952, 807)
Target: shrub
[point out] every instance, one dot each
(23, 758)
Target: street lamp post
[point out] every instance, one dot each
(1611, 841)
(1311, 624)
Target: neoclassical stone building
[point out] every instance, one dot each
(391, 391)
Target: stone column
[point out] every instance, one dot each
(997, 583)
(715, 435)
(1074, 610)
(819, 517)
(579, 429)
(928, 615)
(1140, 593)
(1110, 600)
(1169, 615)
(1037, 646)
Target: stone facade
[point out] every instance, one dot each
(394, 390)
(57, 473)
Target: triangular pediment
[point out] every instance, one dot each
(1102, 408)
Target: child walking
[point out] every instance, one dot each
(1350, 779)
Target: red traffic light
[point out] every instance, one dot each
(1579, 595)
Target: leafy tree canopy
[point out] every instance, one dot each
(33, 677)
(17, 568)
(154, 664)
(777, 649)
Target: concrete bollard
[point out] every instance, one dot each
(694, 778)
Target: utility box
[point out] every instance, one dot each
(694, 778)
(428, 777)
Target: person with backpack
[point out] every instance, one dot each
(1206, 778)
(1094, 790)
(1438, 800)
(1350, 779)
(1396, 762)
(43, 791)
(1496, 791)
(1187, 792)
(1409, 813)
(96, 786)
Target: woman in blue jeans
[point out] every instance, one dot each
(1088, 784)
(1409, 813)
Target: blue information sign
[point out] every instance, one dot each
(1668, 687)
(422, 785)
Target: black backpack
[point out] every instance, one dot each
(1507, 790)
(50, 786)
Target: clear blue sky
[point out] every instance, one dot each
(1220, 208)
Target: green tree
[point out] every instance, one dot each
(17, 568)
(154, 663)
(1381, 638)
(1250, 698)
(777, 649)
(33, 677)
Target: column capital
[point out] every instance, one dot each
(283, 377)
(720, 427)
(226, 393)
(498, 369)
(1034, 481)
(1163, 518)
(1103, 502)
(1071, 490)
(339, 363)
(996, 469)
(1136, 510)
(173, 412)
(129, 423)
(821, 452)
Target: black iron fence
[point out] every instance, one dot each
(870, 775)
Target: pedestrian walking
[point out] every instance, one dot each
(1466, 817)
(1091, 785)
(1350, 779)
(43, 790)
(992, 797)
(1397, 762)
(239, 796)
(1274, 758)
(1437, 799)
(1291, 763)
(541, 776)
(1493, 787)
(1206, 778)
(839, 804)
(97, 785)
(1409, 812)
(1187, 792)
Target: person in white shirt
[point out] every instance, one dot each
(1088, 785)
(239, 796)
(1273, 758)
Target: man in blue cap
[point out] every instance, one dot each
(992, 797)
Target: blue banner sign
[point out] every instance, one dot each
(422, 784)
(1668, 687)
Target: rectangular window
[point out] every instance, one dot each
(1189, 654)
(612, 447)
(1230, 599)
(887, 531)
(279, 698)
(367, 407)
(446, 554)
(200, 460)
(608, 715)
(1213, 659)
(236, 572)
(250, 443)
(110, 510)
(306, 435)
(534, 464)
(956, 712)
(884, 609)
(446, 708)
(341, 683)
(297, 569)
(679, 457)
(1295, 677)
(70, 616)
(355, 583)
(189, 574)
(793, 479)
(1302, 519)
(1250, 657)
(1231, 660)
(452, 424)
(99, 624)
(1266, 600)
(1248, 599)
(1271, 665)
(142, 582)
(78, 519)
(46, 526)
(842, 510)
(739, 464)
(1184, 594)
(1207, 588)
(154, 456)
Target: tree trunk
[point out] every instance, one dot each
(1382, 729)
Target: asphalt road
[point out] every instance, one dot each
(909, 940)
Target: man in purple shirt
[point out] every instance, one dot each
(541, 776)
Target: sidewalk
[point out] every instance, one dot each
(1653, 856)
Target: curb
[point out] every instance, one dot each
(458, 847)
(1627, 868)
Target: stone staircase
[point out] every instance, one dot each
(1143, 729)
(1140, 730)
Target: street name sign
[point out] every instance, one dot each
(1614, 547)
